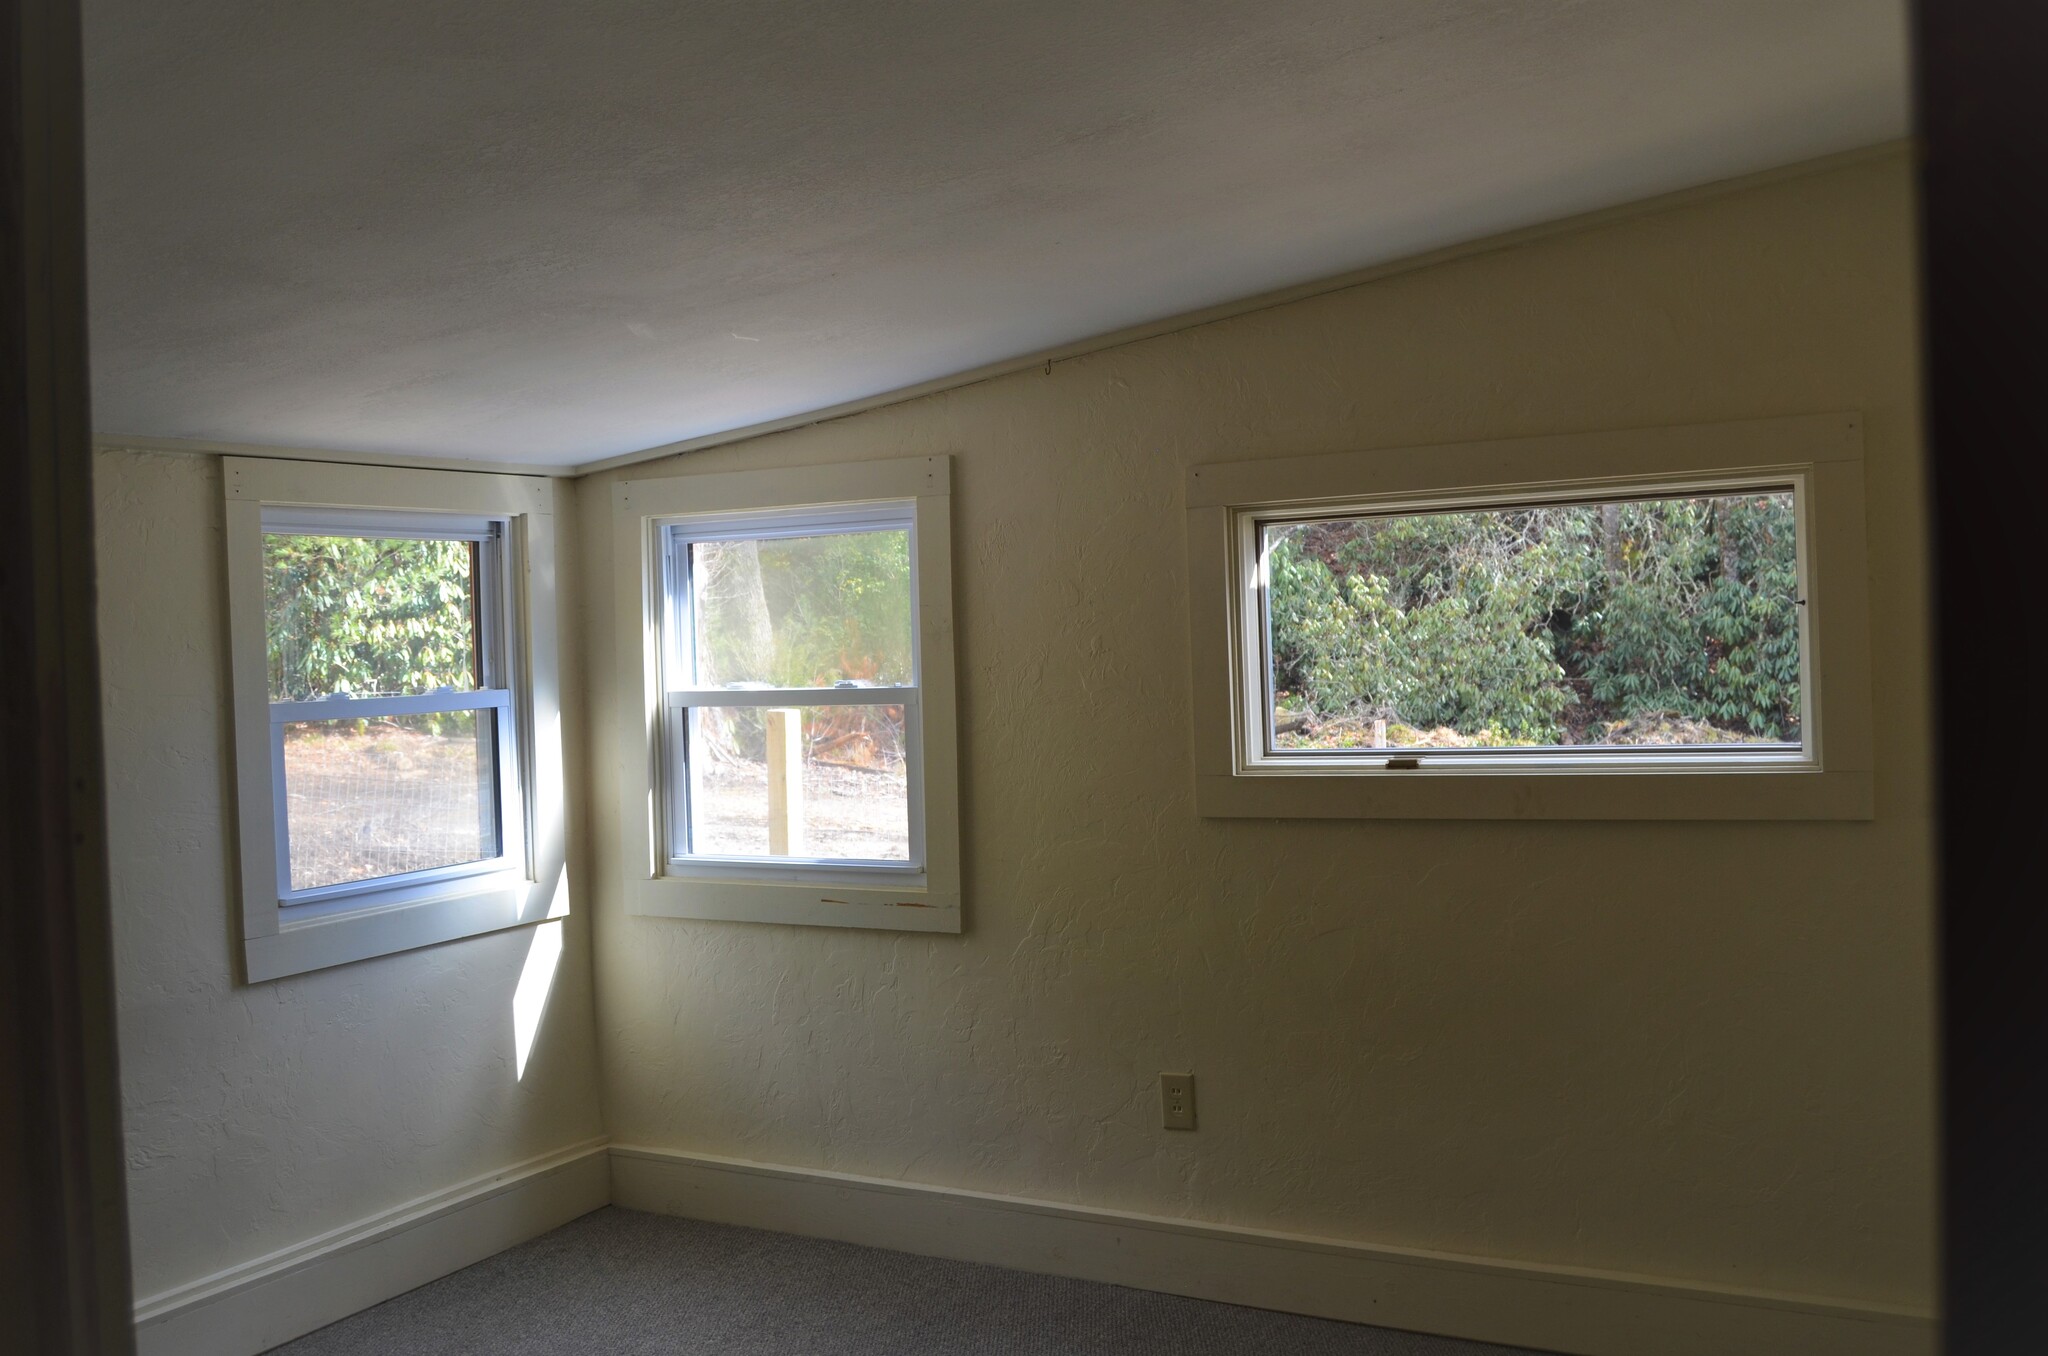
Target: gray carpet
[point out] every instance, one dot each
(622, 1283)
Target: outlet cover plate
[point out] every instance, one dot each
(1177, 1101)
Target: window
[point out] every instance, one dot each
(798, 715)
(792, 704)
(389, 789)
(1586, 645)
(390, 716)
(1645, 628)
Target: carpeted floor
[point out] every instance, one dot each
(622, 1283)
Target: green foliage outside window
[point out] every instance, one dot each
(368, 616)
(808, 611)
(805, 611)
(1545, 625)
(842, 607)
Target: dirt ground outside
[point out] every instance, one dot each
(384, 801)
(389, 800)
(848, 812)
(1300, 729)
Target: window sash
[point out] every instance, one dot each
(680, 859)
(342, 705)
(824, 520)
(791, 696)
(679, 592)
(1255, 737)
(487, 587)
(378, 524)
(511, 854)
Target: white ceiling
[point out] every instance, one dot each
(546, 232)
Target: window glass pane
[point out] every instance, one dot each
(369, 615)
(1629, 624)
(802, 611)
(390, 794)
(820, 781)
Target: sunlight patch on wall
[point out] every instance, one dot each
(530, 999)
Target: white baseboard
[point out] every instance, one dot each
(1553, 1308)
(249, 1308)
(254, 1306)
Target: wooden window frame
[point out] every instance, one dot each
(921, 897)
(1820, 457)
(286, 932)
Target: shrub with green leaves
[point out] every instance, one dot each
(1460, 653)
(367, 616)
(1547, 624)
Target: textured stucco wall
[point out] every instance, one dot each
(1698, 1050)
(260, 1116)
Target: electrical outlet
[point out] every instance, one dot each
(1177, 1101)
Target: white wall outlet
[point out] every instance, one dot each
(1177, 1101)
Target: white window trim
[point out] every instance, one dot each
(824, 894)
(1820, 456)
(286, 934)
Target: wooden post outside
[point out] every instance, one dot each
(1379, 733)
(785, 782)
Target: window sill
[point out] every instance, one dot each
(909, 909)
(315, 943)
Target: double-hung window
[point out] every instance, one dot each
(798, 716)
(792, 709)
(385, 707)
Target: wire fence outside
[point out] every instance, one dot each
(367, 799)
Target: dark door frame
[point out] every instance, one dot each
(64, 1283)
(1983, 115)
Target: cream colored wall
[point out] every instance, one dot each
(1696, 1050)
(260, 1116)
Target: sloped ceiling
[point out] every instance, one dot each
(549, 232)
